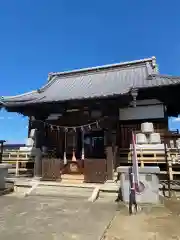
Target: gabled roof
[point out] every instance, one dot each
(96, 82)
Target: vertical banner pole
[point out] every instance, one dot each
(135, 162)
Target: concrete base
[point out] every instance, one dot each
(3, 174)
(149, 184)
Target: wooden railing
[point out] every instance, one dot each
(18, 160)
(146, 155)
(152, 157)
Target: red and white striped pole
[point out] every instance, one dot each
(135, 169)
(134, 179)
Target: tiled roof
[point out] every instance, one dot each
(156, 80)
(109, 80)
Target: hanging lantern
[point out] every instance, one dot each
(97, 124)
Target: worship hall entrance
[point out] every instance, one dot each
(80, 149)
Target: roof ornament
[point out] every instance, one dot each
(155, 65)
(50, 75)
(154, 62)
(2, 101)
(134, 94)
(157, 68)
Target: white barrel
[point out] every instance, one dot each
(32, 133)
(147, 127)
(178, 143)
(141, 138)
(154, 138)
(29, 142)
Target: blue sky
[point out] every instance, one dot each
(42, 36)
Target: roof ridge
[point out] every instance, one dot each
(102, 67)
(55, 77)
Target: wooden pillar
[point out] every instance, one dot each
(109, 155)
(110, 124)
(29, 125)
(39, 143)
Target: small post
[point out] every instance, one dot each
(167, 163)
(141, 160)
(17, 164)
(170, 170)
(142, 163)
(17, 167)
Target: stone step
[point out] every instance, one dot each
(71, 181)
(72, 177)
(60, 191)
(107, 194)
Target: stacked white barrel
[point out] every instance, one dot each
(147, 127)
(147, 135)
(141, 138)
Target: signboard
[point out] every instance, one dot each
(142, 112)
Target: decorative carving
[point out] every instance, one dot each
(134, 94)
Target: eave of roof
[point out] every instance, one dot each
(158, 80)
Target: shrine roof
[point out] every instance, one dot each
(96, 82)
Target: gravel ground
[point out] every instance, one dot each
(75, 218)
(152, 223)
(50, 218)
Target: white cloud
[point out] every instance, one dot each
(176, 119)
(5, 118)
